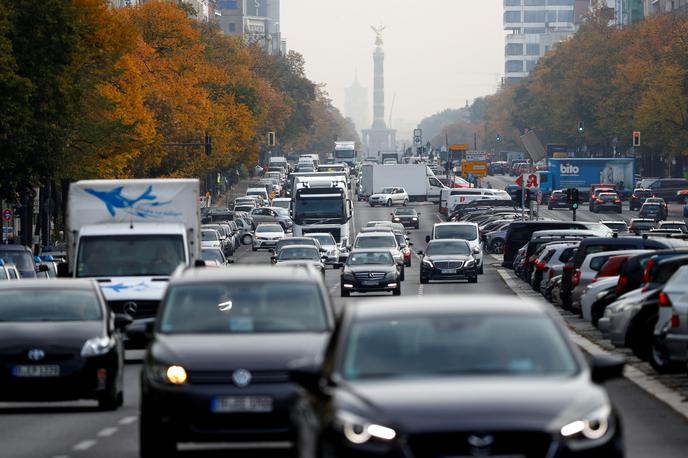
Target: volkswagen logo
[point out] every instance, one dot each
(480, 440)
(241, 378)
(130, 308)
(36, 354)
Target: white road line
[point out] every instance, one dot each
(107, 432)
(84, 445)
(128, 420)
(645, 382)
(420, 290)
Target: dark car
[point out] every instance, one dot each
(409, 217)
(446, 377)
(616, 226)
(638, 197)
(557, 199)
(300, 255)
(653, 211)
(641, 224)
(217, 366)
(290, 241)
(370, 270)
(606, 201)
(59, 341)
(20, 256)
(520, 232)
(448, 259)
(666, 188)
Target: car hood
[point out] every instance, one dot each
(449, 257)
(370, 268)
(215, 352)
(19, 337)
(478, 403)
(380, 195)
(298, 262)
(269, 234)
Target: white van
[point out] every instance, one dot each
(452, 197)
(262, 192)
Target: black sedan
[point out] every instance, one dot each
(217, 367)
(409, 217)
(370, 270)
(59, 341)
(455, 377)
(448, 259)
(606, 201)
(558, 199)
(654, 211)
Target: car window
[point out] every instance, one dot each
(500, 345)
(49, 304)
(455, 231)
(294, 253)
(597, 262)
(212, 255)
(209, 236)
(269, 228)
(370, 258)
(250, 307)
(22, 259)
(376, 241)
(448, 247)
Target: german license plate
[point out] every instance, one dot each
(36, 371)
(242, 404)
(448, 271)
(370, 283)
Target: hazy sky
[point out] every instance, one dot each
(438, 53)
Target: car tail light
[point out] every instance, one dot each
(664, 300)
(634, 196)
(675, 320)
(576, 278)
(648, 269)
(621, 284)
(600, 201)
(617, 201)
(594, 279)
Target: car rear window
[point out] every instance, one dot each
(584, 251)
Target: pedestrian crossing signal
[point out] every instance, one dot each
(636, 138)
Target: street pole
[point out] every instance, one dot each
(523, 200)
(574, 214)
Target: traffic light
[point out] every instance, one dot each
(499, 138)
(574, 199)
(271, 139)
(636, 138)
(581, 127)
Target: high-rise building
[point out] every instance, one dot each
(534, 27)
(257, 21)
(356, 104)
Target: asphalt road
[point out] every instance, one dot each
(78, 430)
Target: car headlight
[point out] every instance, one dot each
(593, 426)
(97, 346)
(470, 263)
(168, 374)
(359, 431)
(428, 263)
(414, 218)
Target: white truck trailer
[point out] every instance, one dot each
(418, 180)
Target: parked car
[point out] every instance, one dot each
(370, 270)
(482, 361)
(666, 188)
(8, 271)
(60, 341)
(216, 369)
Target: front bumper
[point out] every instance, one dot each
(463, 273)
(407, 222)
(263, 243)
(369, 286)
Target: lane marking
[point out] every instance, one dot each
(84, 445)
(420, 290)
(647, 383)
(107, 432)
(128, 420)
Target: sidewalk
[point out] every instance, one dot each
(226, 200)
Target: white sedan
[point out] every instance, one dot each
(267, 235)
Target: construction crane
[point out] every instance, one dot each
(391, 111)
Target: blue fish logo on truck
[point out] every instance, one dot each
(143, 206)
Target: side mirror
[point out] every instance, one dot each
(230, 261)
(63, 270)
(199, 263)
(476, 250)
(604, 367)
(324, 258)
(306, 374)
(122, 320)
(427, 239)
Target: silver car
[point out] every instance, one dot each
(671, 331)
(272, 215)
(329, 244)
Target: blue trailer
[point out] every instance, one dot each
(582, 173)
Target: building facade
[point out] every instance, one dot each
(257, 21)
(356, 104)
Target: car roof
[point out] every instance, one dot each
(57, 283)
(248, 272)
(672, 222)
(442, 305)
(457, 223)
(371, 250)
(292, 247)
(642, 220)
(433, 241)
(299, 239)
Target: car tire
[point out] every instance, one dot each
(473, 280)
(154, 441)
(397, 291)
(405, 202)
(481, 270)
(247, 239)
(112, 400)
(659, 360)
(372, 204)
(389, 202)
(345, 292)
(424, 280)
(497, 246)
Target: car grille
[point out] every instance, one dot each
(517, 444)
(448, 264)
(144, 309)
(369, 275)
(225, 377)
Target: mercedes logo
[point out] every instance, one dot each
(370, 275)
(241, 378)
(130, 308)
(36, 354)
(480, 441)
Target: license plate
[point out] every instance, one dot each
(369, 283)
(36, 371)
(242, 404)
(448, 271)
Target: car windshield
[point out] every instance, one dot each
(680, 226)
(620, 226)
(325, 240)
(455, 231)
(643, 226)
(376, 241)
(281, 211)
(209, 236)
(22, 259)
(643, 193)
(372, 258)
(243, 208)
(49, 304)
(129, 255)
(268, 228)
(448, 247)
(293, 253)
(249, 307)
(387, 191)
(466, 345)
(281, 204)
(406, 211)
(212, 255)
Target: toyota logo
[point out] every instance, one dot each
(36, 354)
(480, 441)
(241, 378)
(130, 308)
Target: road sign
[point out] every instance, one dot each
(476, 156)
(636, 138)
(474, 168)
(460, 147)
(7, 215)
(528, 180)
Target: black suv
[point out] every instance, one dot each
(638, 197)
(666, 188)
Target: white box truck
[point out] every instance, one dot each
(418, 180)
(131, 235)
